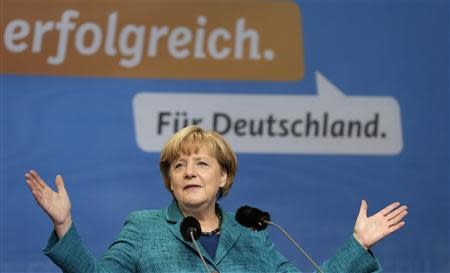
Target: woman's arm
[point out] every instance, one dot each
(123, 255)
(65, 247)
(355, 254)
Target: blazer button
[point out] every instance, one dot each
(215, 272)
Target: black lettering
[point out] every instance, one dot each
(337, 128)
(325, 124)
(354, 124)
(162, 122)
(270, 122)
(185, 120)
(253, 130)
(294, 125)
(371, 127)
(283, 127)
(225, 118)
(175, 121)
(196, 121)
(238, 125)
(311, 122)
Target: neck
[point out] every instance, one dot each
(206, 216)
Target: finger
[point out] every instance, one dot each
(395, 227)
(398, 218)
(363, 209)
(33, 180)
(37, 194)
(396, 212)
(60, 184)
(389, 208)
(38, 178)
(34, 174)
(30, 184)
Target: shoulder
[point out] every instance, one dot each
(144, 219)
(145, 215)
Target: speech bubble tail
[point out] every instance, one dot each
(325, 88)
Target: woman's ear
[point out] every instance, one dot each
(171, 184)
(223, 179)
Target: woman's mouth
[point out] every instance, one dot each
(191, 187)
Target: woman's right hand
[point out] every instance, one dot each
(55, 204)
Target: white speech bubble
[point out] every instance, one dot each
(330, 123)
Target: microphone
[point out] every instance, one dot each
(190, 225)
(191, 230)
(258, 220)
(252, 217)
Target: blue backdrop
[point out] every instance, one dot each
(83, 128)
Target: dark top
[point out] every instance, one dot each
(209, 243)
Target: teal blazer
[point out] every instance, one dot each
(150, 241)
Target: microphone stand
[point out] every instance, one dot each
(296, 244)
(191, 232)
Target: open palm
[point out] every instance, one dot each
(370, 230)
(55, 204)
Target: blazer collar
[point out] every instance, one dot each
(228, 235)
(173, 213)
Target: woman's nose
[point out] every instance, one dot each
(190, 171)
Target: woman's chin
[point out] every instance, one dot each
(194, 200)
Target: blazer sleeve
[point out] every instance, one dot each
(350, 258)
(122, 256)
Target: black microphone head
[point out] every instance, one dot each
(188, 225)
(252, 217)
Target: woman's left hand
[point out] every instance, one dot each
(370, 230)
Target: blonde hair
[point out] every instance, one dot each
(189, 140)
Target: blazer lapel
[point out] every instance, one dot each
(174, 219)
(228, 236)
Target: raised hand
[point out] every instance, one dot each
(55, 204)
(370, 230)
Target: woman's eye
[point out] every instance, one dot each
(202, 163)
(178, 165)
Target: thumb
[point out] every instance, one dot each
(363, 209)
(60, 184)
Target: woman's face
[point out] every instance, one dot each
(196, 179)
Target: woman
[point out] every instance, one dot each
(198, 168)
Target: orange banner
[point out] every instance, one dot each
(223, 40)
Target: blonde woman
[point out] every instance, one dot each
(198, 168)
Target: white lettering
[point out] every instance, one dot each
(155, 34)
(16, 29)
(180, 42)
(111, 34)
(40, 29)
(241, 35)
(199, 52)
(134, 50)
(212, 43)
(179, 37)
(63, 26)
(80, 38)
